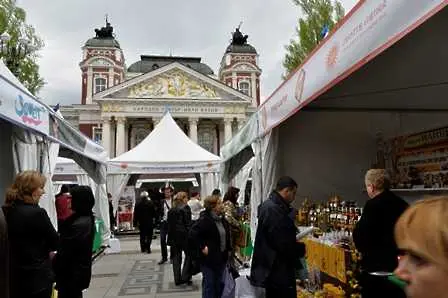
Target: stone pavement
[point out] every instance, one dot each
(132, 274)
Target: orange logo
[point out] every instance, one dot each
(299, 85)
(124, 165)
(332, 57)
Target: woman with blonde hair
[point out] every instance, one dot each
(32, 237)
(179, 222)
(421, 234)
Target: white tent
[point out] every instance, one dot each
(33, 135)
(68, 167)
(166, 150)
(382, 71)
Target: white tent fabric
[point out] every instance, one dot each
(242, 178)
(31, 152)
(66, 166)
(165, 150)
(209, 181)
(116, 184)
(369, 29)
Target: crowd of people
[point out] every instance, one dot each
(195, 234)
(202, 233)
(34, 256)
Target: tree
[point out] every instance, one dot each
(318, 17)
(23, 36)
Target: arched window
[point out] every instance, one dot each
(100, 84)
(244, 87)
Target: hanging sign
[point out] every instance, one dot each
(22, 108)
(373, 27)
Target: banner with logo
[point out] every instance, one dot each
(373, 27)
(20, 107)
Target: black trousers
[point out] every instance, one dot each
(163, 240)
(283, 292)
(182, 274)
(146, 238)
(377, 286)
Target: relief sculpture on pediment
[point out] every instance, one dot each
(174, 84)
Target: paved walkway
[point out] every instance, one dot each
(136, 275)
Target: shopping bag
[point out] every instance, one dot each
(244, 289)
(229, 284)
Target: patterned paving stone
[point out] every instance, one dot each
(147, 277)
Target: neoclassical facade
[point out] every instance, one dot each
(121, 105)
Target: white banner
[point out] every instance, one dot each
(22, 108)
(373, 27)
(162, 168)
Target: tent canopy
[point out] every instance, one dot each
(371, 28)
(165, 150)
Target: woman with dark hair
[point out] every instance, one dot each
(31, 236)
(73, 262)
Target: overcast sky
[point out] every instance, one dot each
(200, 28)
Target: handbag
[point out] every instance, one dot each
(229, 283)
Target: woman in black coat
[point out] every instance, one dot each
(211, 236)
(73, 262)
(31, 237)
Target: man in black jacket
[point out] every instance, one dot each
(374, 235)
(144, 215)
(275, 254)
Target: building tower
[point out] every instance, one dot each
(239, 67)
(102, 65)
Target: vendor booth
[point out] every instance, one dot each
(33, 135)
(166, 150)
(372, 94)
(67, 171)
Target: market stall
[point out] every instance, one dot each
(67, 171)
(371, 95)
(166, 150)
(33, 135)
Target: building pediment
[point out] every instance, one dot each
(174, 81)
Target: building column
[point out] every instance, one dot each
(234, 81)
(241, 123)
(227, 129)
(133, 131)
(193, 129)
(105, 135)
(111, 77)
(121, 135)
(126, 136)
(254, 88)
(89, 85)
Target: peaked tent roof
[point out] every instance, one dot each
(165, 150)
